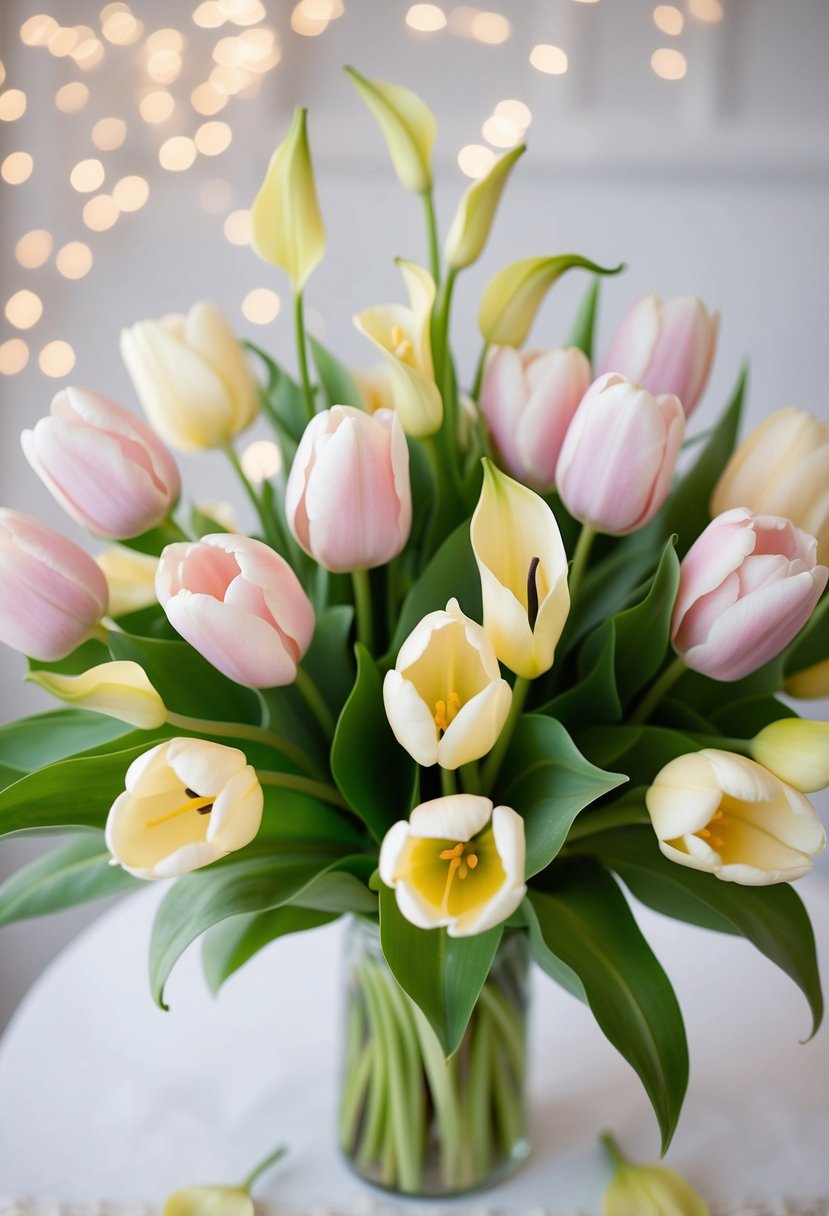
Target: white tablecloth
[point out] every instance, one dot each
(104, 1096)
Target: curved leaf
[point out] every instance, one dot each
(229, 945)
(45, 738)
(338, 387)
(73, 874)
(452, 572)
(643, 631)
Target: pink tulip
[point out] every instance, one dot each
(529, 401)
(238, 604)
(348, 500)
(618, 458)
(103, 465)
(52, 594)
(747, 587)
(667, 348)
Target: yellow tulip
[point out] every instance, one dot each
(402, 335)
(120, 690)
(130, 578)
(523, 569)
(513, 296)
(209, 1201)
(473, 219)
(810, 683)
(797, 751)
(408, 125)
(286, 224)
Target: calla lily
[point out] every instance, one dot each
(402, 335)
(523, 569)
(408, 125)
(130, 579)
(445, 698)
(120, 689)
(458, 863)
(469, 230)
(796, 750)
(286, 224)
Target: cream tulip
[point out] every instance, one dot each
(470, 228)
(187, 803)
(719, 812)
(120, 689)
(130, 579)
(796, 750)
(445, 699)
(192, 378)
(402, 336)
(458, 863)
(408, 125)
(523, 569)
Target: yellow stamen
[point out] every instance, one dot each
(195, 804)
(458, 864)
(446, 711)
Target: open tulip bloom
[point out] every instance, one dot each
(483, 649)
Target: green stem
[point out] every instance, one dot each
(506, 1100)
(401, 1010)
(617, 1157)
(241, 730)
(444, 1100)
(432, 232)
(354, 1090)
(508, 1022)
(312, 697)
(100, 632)
(258, 506)
(440, 333)
(495, 759)
(271, 1159)
(470, 777)
(478, 1095)
(658, 690)
(448, 783)
(302, 355)
(303, 785)
(363, 607)
(579, 566)
(479, 373)
(375, 1122)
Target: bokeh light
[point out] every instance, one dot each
(475, 160)
(109, 133)
(213, 138)
(548, 58)
(87, 175)
(668, 19)
(17, 168)
(669, 64)
(261, 459)
(14, 355)
(492, 28)
(12, 105)
(72, 97)
(156, 106)
(237, 227)
(177, 153)
(100, 213)
(261, 306)
(131, 193)
(38, 30)
(426, 18)
(56, 359)
(24, 309)
(74, 260)
(33, 248)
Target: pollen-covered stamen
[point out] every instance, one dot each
(460, 864)
(713, 838)
(446, 711)
(401, 347)
(203, 806)
(532, 592)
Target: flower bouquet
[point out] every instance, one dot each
(491, 664)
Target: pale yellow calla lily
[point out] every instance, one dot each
(797, 751)
(809, 684)
(130, 579)
(402, 335)
(513, 296)
(651, 1190)
(523, 569)
(120, 690)
(285, 221)
(209, 1201)
(408, 125)
(469, 230)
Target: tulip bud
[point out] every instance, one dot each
(528, 402)
(523, 569)
(648, 1190)
(796, 750)
(286, 224)
(209, 1201)
(348, 501)
(52, 595)
(187, 803)
(747, 586)
(239, 604)
(619, 455)
(666, 348)
(408, 125)
(130, 579)
(469, 230)
(192, 378)
(121, 690)
(719, 812)
(445, 699)
(809, 684)
(102, 464)
(782, 468)
(402, 335)
(458, 863)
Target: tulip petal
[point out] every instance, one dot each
(413, 726)
(476, 727)
(242, 647)
(456, 817)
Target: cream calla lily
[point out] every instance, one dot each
(716, 811)
(285, 221)
(187, 803)
(469, 230)
(651, 1190)
(120, 689)
(810, 683)
(797, 751)
(523, 569)
(402, 335)
(408, 125)
(457, 863)
(130, 578)
(445, 699)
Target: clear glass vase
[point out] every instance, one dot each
(410, 1120)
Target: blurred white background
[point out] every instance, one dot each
(690, 141)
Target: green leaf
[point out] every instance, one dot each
(550, 963)
(772, 918)
(811, 645)
(73, 874)
(584, 324)
(155, 540)
(593, 698)
(302, 824)
(229, 945)
(547, 780)
(643, 632)
(375, 775)
(330, 659)
(338, 387)
(586, 923)
(282, 404)
(452, 573)
(640, 751)
(42, 739)
(342, 888)
(745, 718)
(88, 654)
(443, 975)
(203, 524)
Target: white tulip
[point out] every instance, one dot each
(120, 689)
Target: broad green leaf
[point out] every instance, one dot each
(336, 381)
(374, 774)
(443, 975)
(282, 404)
(342, 888)
(330, 658)
(643, 631)
(593, 698)
(811, 645)
(746, 718)
(303, 823)
(639, 751)
(586, 923)
(155, 540)
(550, 963)
(202, 522)
(72, 874)
(42, 739)
(610, 582)
(232, 943)
(584, 323)
(547, 780)
(452, 573)
(88, 654)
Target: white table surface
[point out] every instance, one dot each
(104, 1096)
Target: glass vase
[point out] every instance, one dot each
(411, 1121)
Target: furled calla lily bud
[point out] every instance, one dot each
(285, 220)
(782, 468)
(130, 579)
(796, 750)
(408, 125)
(402, 335)
(458, 862)
(187, 803)
(120, 689)
(192, 378)
(809, 684)
(716, 811)
(523, 569)
(651, 1190)
(445, 698)
(469, 230)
